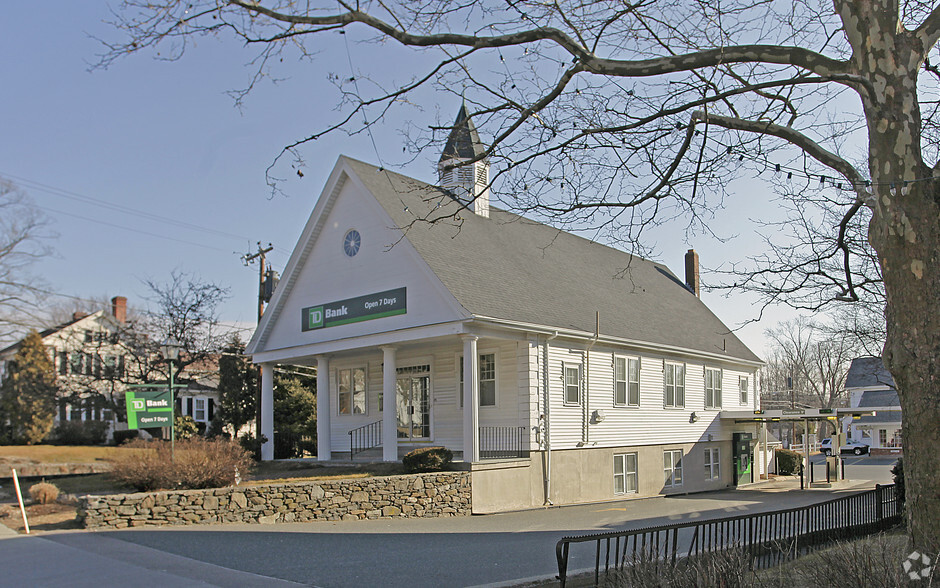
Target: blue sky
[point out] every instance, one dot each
(175, 173)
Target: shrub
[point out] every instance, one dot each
(186, 427)
(252, 445)
(898, 471)
(198, 463)
(80, 433)
(788, 462)
(121, 437)
(43, 492)
(427, 459)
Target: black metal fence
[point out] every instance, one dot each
(766, 539)
(504, 442)
(365, 438)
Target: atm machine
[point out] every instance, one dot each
(742, 455)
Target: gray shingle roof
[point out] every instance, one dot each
(868, 372)
(881, 416)
(511, 268)
(464, 140)
(879, 398)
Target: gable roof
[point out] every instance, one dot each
(510, 268)
(464, 140)
(12, 349)
(869, 372)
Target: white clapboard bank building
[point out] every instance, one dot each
(557, 369)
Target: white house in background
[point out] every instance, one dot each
(89, 361)
(869, 384)
(558, 369)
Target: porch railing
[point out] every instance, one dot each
(365, 438)
(504, 442)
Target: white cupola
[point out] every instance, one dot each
(469, 182)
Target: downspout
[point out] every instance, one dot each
(587, 380)
(548, 420)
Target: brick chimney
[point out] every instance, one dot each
(691, 271)
(119, 309)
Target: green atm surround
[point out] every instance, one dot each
(742, 458)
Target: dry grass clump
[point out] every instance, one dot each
(870, 562)
(198, 463)
(43, 493)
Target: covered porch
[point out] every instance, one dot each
(460, 391)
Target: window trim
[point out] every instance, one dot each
(666, 366)
(352, 395)
(626, 474)
(458, 377)
(672, 468)
(712, 463)
(716, 388)
(626, 381)
(565, 366)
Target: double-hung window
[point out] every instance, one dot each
(712, 388)
(199, 409)
(674, 378)
(624, 473)
(742, 389)
(352, 390)
(672, 467)
(572, 380)
(487, 381)
(712, 471)
(626, 381)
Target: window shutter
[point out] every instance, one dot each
(189, 406)
(211, 408)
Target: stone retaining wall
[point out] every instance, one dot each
(414, 495)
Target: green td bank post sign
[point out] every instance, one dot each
(354, 310)
(147, 409)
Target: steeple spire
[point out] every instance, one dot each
(468, 182)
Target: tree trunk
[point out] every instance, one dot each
(912, 281)
(905, 231)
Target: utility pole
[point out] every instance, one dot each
(248, 259)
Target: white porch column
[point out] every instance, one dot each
(267, 411)
(389, 405)
(471, 400)
(324, 410)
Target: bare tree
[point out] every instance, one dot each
(186, 310)
(615, 116)
(23, 231)
(810, 360)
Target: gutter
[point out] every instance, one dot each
(635, 343)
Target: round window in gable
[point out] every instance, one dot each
(351, 242)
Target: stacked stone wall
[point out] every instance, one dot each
(415, 495)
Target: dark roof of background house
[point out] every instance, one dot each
(868, 372)
(881, 416)
(512, 268)
(879, 398)
(464, 141)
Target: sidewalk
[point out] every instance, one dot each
(499, 549)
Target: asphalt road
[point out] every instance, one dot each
(863, 467)
(466, 551)
(500, 549)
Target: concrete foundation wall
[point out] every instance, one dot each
(587, 475)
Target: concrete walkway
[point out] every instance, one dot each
(501, 549)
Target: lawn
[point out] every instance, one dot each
(55, 453)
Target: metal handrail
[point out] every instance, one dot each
(766, 538)
(365, 438)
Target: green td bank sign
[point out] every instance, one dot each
(354, 310)
(147, 409)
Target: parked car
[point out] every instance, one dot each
(850, 447)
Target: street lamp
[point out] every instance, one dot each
(171, 352)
